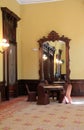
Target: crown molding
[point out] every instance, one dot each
(35, 1)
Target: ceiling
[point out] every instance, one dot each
(34, 1)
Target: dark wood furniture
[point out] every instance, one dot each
(54, 90)
(31, 94)
(43, 97)
(46, 67)
(53, 87)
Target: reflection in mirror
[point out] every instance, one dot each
(54, 57)
(60, 59)
(47, 58)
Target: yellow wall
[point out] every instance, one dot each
(37, 20)
(65, 17)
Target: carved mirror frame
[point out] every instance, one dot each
(53, 36)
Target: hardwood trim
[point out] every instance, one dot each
(5, 9)
(77, 87)
(10, 20)
(2, 92)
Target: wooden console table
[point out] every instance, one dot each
(54, 89)
(59, 82)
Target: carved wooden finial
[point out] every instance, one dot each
(53, 36)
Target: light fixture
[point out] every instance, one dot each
(3, 45)
(45, 57)
(59, 61)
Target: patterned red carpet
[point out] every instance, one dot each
(18, 114)
(4, 105)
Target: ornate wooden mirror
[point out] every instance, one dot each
(54, 57)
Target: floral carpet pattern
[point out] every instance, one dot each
(18, 114)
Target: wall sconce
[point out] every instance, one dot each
(3, 45)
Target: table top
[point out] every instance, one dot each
(53, 87)
(59, 82)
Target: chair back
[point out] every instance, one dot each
(27, 88)
(31, 94)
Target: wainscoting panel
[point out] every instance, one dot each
(31, 83)
(2, 92)
(77, 87)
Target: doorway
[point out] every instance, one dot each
(10, 20)
(10, 71)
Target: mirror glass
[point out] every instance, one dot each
(59, 58)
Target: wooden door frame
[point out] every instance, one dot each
(9, 20)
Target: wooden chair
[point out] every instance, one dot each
(31, 94)
(43, 97)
